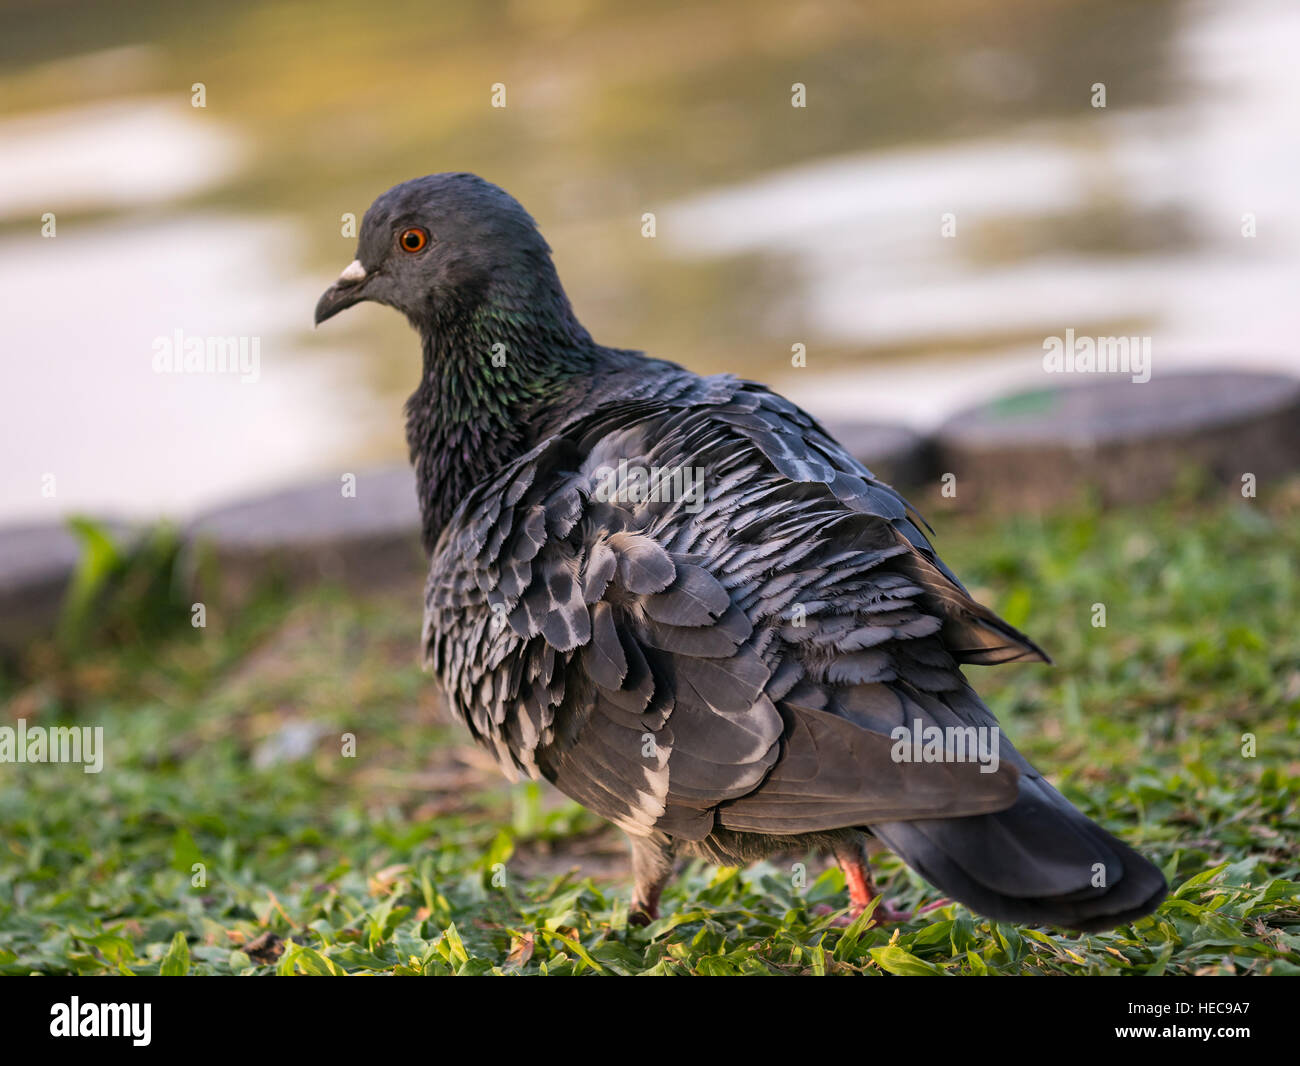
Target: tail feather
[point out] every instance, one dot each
(1039, 861)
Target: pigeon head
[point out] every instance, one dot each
(440, 248)
(465, 263)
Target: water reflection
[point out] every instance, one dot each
(1105, 223)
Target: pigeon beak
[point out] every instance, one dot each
(348, 290)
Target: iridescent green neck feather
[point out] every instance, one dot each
(490, 373)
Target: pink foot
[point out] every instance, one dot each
(857, 875)
(883, 913)
(886, 912)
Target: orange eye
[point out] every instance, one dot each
(413, 239)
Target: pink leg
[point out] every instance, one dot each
(857, 874)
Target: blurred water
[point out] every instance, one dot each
(862, 234)
(775, 226)
(84, 309)
(113, 155)
(119, 437)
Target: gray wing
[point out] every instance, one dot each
(731, 658)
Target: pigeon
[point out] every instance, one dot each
(679, 600)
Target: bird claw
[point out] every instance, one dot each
(642, 914)
(884, 913)
(841, 920)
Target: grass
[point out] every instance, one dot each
(231, 833)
